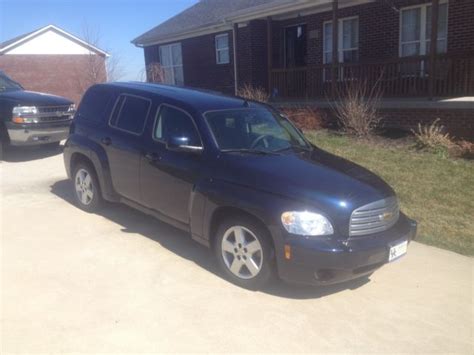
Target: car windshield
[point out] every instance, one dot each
(254, 129)
(7, 84)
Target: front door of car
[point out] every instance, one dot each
(171, 163)
(123, 142)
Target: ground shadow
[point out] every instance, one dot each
(181, 244)
(14, 154)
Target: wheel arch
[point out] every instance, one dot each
(77, 149)
(223, 213)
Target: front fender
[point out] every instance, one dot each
(264, 206)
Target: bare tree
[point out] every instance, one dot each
(97, 68)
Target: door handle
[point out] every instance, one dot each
(152, 157)
(107, 141)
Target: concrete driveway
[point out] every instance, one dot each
(123, 282)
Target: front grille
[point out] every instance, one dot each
(53, 109)
(375, 217)
(53, 113)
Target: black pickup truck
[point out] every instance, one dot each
(32, 118)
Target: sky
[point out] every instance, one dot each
(116, 21)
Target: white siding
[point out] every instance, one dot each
(49, 42)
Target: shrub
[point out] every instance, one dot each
(253, 93)
(356, 108)
(305, 117)
(155, 73)
(432, 138)
(462, 149)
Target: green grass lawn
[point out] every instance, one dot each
(435, 191)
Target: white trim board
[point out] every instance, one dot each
(51, 40)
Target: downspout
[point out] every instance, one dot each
(236, 73)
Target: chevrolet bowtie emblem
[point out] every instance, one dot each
(385, 216)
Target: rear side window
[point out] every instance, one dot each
(130, 113)
(94, 105)
(172, 122)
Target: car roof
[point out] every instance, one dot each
(199, 100)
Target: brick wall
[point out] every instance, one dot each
(252, 54)
(460, 26)
(63, 75)
(199, 63)
(378, 41)
(459, 123)
(378, 30)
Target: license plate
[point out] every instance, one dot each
(397, 250)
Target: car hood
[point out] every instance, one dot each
(319, 179)
(31, 98)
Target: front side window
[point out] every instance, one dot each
(174, 123)
(130, 113)
(253, 129)
(171, 61)
(415, 30)
(222, 49)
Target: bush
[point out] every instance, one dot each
(356, 108)
(253, 93)
(462, 149)
(155, 73)
(432, 138)
(305, 117)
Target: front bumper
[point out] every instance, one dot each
(37, 133)
(321, 262)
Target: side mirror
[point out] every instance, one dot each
(181, 144)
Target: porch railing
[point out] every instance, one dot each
(404, 77)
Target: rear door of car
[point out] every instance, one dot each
(123, 142)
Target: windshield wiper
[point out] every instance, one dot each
(294, 146)
(250, 151)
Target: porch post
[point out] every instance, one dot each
(235, 35)
(335, 48)
(433, 46)
(269, 53)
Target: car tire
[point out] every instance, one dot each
(244, 253)
(87, 193)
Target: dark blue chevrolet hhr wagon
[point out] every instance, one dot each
(240, 178)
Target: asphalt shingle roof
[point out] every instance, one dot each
(15, 39)
(204, 13)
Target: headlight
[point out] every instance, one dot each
(20, 112)
(306, 223)
(24, 110)
(72, 108)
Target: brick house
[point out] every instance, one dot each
(285, 46)
(54, 61)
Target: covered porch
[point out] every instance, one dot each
(435, 74)
(402, 78)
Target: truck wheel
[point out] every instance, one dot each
(86, 188)
(244, 253)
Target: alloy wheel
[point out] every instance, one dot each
(84, 186)
(242, 252)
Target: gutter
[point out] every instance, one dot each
(257, 12)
